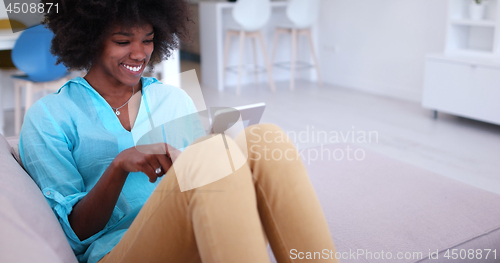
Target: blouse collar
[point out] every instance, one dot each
(146, 82)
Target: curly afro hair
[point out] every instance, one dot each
(81, 26)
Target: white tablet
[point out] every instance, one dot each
(231, 120)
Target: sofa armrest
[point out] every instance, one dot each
(14, 148)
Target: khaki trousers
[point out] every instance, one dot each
(229, 220)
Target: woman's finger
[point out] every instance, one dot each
(155, 164)
(150, 172)
(165, 163)
(148, 165)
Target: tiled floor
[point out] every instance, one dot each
(459, 148)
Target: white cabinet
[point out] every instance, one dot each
(466, 36)
(461, 87)
(465, 79)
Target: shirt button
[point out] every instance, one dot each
(48, 192)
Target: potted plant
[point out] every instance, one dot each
(477, 9)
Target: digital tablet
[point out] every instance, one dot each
(232, 120)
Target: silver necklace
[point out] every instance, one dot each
(116, 110)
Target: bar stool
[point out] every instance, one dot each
(301, 16)
(250, 16)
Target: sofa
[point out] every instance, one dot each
(376, 208)
(29, 229)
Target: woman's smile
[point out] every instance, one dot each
(133, 69)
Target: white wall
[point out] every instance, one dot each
(380, 46)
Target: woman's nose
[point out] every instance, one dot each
(138, 52)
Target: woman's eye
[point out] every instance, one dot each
(122, 43)
(149, 41)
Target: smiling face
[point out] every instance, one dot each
(124, 55)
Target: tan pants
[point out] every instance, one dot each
(228, 220)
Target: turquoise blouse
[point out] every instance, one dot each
(69, 138)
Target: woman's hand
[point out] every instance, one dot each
(148, 159)
(91, 214)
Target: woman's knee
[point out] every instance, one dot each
(211, 145)
(208, 160)
(266, 133)
(263, 129)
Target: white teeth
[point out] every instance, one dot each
(135, 69)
